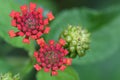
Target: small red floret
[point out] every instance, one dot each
(37, 67)
(12, 33)
(26, 40)
(62, 42)
(62, 68)
(47, 30)
(54, 73)
(23, 8)
(13, 23)
(69, 61)
(36, 54)
(41, 42)
(32, 6)
(51, 42)
(40, 10)
(50, 16)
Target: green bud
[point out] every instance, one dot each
(81, 53)
(74, 42)
(66, 33)
(73, 55)
(77, 40)
(9, 76)
(68, 39)
(72, 48)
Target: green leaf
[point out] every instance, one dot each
(23, 66)
(108, 69)
(6, 7)
(5, 48)
(4, 66)
(68, 74)
(104, 28)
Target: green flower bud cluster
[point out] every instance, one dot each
(77, 40)
(9, 76)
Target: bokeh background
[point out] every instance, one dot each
(100, 17)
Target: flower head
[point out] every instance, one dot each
(77, 40)
(51, 57)
(30, 22)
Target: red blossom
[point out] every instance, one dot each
(41, 42)
(37, 67)
(30, 22)
(51, 57)
(50, 16)
(62, 42)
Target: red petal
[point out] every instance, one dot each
(61, 50)
(39, 34)
(51, 42)
(47, 29)
(37, 67)
(64, 60)
(54, 73)
(58, 46)
(41, 50)
(34, 31)
(32, 6)
(19, 27)
(40, 10)
(36, 54)
(65, 51)
(41, 27)
(55, 68)
(50, 16)
(62, 68)
(46, 22)
(41, 42)
(43, 64)
(20, 33)
(40, 16)
(12, 33)
(46, 69)
(38, 60)
(68, 61)
(13, 23)
(28, 33)
(19, 20)
(33, 36)
(26, 40)
(24, 8)
(17, 14)
(12, 14)
(62, 42)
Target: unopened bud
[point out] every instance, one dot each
(77, 40)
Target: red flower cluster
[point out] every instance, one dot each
(51, 56)
(30, 22)
(32, 25)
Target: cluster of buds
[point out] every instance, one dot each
(51, 56)
(30, 22)
(9, 76)
(77, 40)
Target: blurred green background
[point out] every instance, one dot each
(100, 17)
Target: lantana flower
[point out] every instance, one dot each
(30, 22)
(51, 56)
